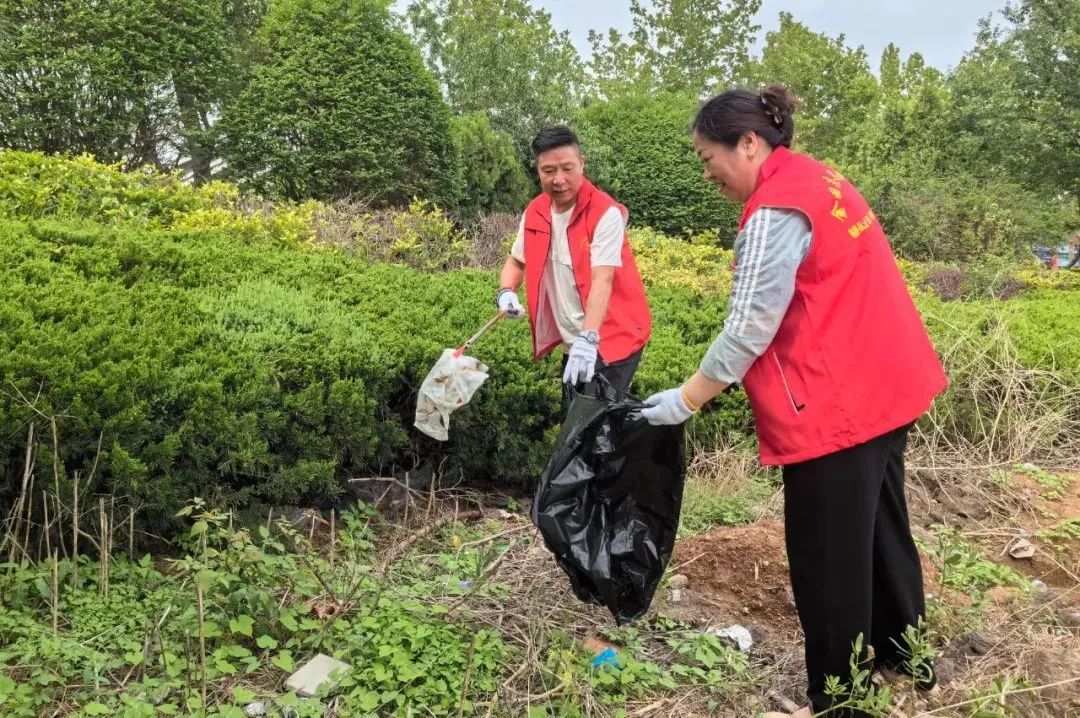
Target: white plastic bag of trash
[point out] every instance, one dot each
(739, 635)
(449, 385)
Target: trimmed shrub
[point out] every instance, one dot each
(339, 104)
(490, 177)
(248, 371)
(639, 149)
(213, 351)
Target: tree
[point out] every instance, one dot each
(639, 148)
(907, 121)
(833, 81)
(502, 58)
(491, 179)
(208, 71)
(1017, 95)
(689, 46)
(936, 194)
(137, 81)
(339, 104)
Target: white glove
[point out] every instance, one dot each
(666, 408)
(508, 302)
(581, 364)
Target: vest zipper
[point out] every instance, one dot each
(795, 406)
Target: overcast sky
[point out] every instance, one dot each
(942, 30)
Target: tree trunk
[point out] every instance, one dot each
(196, 141)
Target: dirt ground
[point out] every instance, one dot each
(739, 575)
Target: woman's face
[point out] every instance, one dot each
(733, 170)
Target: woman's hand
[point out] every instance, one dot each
(667, 408)
(675, 406)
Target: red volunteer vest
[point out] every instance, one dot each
(627, 325)
(852, 359)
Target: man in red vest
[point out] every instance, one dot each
(582, 285)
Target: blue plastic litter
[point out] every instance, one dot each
(608, 657)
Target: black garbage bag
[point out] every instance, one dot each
(609, 499)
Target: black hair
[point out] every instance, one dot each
(551, 137)
(733, 113)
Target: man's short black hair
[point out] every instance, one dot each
(551, 137)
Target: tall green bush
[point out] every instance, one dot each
(491, 179)
(959, 216)
(339, 104)
(639, 149)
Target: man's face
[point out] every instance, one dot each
(561, 170)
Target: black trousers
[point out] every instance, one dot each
(854, 566)
(619, 374)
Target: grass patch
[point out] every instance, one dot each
(724, 488)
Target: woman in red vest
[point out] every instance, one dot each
(824, 336)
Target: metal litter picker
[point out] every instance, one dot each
(450, 385)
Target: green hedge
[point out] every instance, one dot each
(215, 350)
(245, 370)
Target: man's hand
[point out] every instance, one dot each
(581, 364)
(667, 408)
(508, 302)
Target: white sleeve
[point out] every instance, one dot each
(607, 240)
(518, 250)
(768, 253)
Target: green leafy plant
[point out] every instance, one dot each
(1053, 485)
(859, 692)
(963, 567)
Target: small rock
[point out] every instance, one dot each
(678, 581)
(1039, 586)
(1069, 617)
(980, 643)
(255, 709)
(289, 712)
(313, 674)
(1021, 548)
(970, 507)
(946, 669)
(155, 699)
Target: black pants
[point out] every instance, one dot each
(854, 566)
(619, 374)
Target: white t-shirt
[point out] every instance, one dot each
(558, 283)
